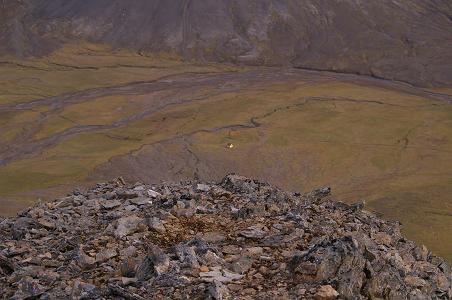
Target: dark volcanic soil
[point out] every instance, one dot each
(404, 40)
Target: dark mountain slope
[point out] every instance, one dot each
(394, 39)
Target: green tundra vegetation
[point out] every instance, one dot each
(71, 118)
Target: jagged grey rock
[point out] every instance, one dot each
(310, 247)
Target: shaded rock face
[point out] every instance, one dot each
(239, 239)
(403, 40)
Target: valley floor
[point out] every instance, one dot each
(88, 114)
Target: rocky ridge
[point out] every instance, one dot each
(239, 239)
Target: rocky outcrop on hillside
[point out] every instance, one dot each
(239, 239)
(392, 39)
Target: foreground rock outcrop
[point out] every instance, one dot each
(240, 239)
(392, 39)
